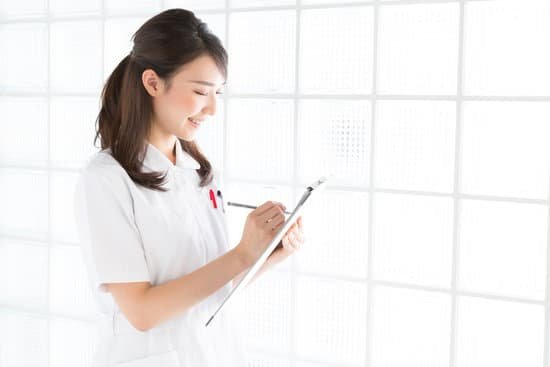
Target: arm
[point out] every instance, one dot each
(146, 306)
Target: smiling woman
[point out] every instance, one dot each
(154, 91)
(155, 244)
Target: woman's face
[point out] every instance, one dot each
(194, 93)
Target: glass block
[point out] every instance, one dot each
(209, 137)
(330, 322)
(23, 9)
(72, 130)
(118, 41)
(260, 3)
(70, 292)
(410, 328)
(502, 248)
(24, 198)
(70, 8)
(334, 138)
(420, 251)
(496, 333)
(254, 359)
(505, 150)
(216, 24)
(336, 231)
(23, 340)
(194, 5)
(23, 131)
(72, 342)
(25, 56)
(127, 7)
(24, 269)
(262, 52)
(267, 307)
(260, 138)
(415, 145)
(79, 70)
(336, 50)
(63, 225)
(256, 195)
(494, 28)
(418, 49)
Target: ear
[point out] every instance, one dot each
(152, 83)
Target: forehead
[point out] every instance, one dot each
(202, 69)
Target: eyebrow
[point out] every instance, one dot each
(205, 82)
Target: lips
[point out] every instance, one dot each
(196, 124)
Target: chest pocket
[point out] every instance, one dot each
(214, 207)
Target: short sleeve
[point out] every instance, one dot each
(109, 239)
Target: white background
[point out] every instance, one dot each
(430, 248)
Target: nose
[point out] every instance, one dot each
(210, 108)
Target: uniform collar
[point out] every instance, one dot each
(155, 160)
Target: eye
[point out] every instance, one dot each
(206, 94)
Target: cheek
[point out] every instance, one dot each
(189, 103)
(174, 109)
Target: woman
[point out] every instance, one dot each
(150, 218)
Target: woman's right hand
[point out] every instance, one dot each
(260, 228)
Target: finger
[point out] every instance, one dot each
(286, 244)
(294, 242)
(289, 230)
(272, 212)
(262, 209)
(299, 236)
(276, 222)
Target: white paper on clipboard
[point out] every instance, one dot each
(311, 191)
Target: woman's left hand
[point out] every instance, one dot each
(292, 241)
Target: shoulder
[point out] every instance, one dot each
(103, 169)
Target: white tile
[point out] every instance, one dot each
(418, 49)
(505, 150)
(260, 139)
(496, 333)
(262, 51)
(336, 50)
(334, 138)
(75, 56)
(411, 328)
(415, 145)
(24, 131)
(27, 64)
(502, 248)
(505, 49)
(413, 237)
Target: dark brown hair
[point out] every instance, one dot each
(164, 44)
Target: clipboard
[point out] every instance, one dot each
(311, 191)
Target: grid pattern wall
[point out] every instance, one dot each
(430, 248)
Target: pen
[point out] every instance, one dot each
(248, 206)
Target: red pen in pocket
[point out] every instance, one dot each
(213, 199)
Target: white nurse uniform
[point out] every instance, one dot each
(129, 233)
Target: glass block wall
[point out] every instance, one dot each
(430, 247)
